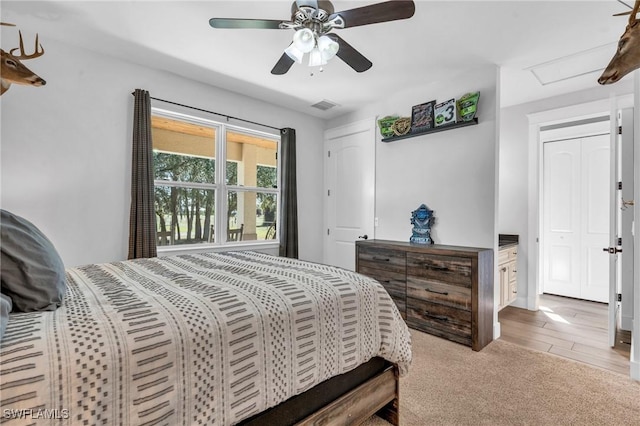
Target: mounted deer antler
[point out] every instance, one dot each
(13, 71)
(627, 57)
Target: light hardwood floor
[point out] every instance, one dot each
(571, 328)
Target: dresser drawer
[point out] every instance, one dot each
(380, 258)
(513, 252)
(455, 296)
(444, 321)
(393, 282)
(443, 269)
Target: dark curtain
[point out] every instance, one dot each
(142, 220)
(289, 195)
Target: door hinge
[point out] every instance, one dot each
(619, 297)
(328, 192)
(619, 130)
(328, 153)
(327, 231)
(620, 185)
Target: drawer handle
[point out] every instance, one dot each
(515, 252)
(385, 259)
(386, 281)
(438, 317)
(437, 268)
(444, 293)
(504, 269)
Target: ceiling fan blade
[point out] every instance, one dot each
(376, 13)
(265, 24)
(351, 56)
(283, 65)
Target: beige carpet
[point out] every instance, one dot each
(505, 384)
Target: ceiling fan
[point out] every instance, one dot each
(313, 21)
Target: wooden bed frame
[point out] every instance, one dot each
(348, 399)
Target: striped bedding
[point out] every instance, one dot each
(198, 339)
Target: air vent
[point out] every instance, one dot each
(324, 105)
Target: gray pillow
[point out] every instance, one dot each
(5, 308)
(32, 271)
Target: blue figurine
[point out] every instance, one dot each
(421, 219)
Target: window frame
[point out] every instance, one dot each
(220, 187)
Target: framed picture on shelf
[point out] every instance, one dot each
(422, 117)
(445, 113)
(468, 105)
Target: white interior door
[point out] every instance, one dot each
(561, 218)
(576, 185)
(595, 217)
(625, 211)
(349, 189)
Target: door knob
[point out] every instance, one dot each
(612, 250)
(363, 237)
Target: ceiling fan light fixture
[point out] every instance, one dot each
(328, 47)
(294, 53)
(304, 40)
(316, 59)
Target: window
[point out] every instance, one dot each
(191, 187)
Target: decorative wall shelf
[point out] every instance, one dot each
(433, 130)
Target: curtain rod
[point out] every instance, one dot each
(213, 112)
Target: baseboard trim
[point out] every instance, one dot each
(496, 331)
(520, 302)
(635, 370)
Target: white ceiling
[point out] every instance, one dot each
(442, 38)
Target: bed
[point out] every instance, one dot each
(203, 339)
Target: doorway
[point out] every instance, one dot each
(575, 210)
(622, 108)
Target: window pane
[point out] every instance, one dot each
(267, 177)
(253, 215)
(256, 159)
(183, 151)
(184, 215)
(232, 173)
(175, 167)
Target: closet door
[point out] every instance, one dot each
(576, 217)
(561, 217)
(594, 208)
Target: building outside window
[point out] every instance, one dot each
(199, 202)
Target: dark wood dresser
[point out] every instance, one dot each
(446, 291)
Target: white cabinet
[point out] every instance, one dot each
(508, 272)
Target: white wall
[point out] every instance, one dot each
(514, 209)
(66, 149)
(452, 172)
